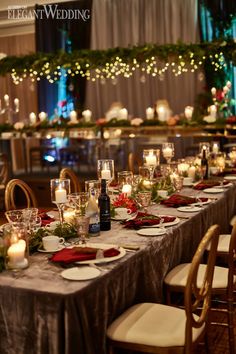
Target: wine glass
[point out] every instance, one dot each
(151, 159)
(168, 151)
(82, 227)
(60, 188)
(105, 170)
(178, 182)
(144, 198)
(80, 201)
(125, 182)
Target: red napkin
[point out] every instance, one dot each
(144, 219)
(208, 184)
(176, 200)
(45, 218)
(227, 172)
(77, 254)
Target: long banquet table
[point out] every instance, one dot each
(40, 312)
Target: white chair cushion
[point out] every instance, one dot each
(223, 244)
(178, 276)
(152, 324)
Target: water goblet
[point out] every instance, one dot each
(80, 201)
(14, 215)
(178, 183)
(144, 198)
(60, 188)
(31, 218)
(151, 159)
(82, 227)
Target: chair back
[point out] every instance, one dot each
(231, 262)
(4, 171)
(68, 173)
(196, 296)
(10, 198)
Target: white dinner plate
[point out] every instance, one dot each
(103, 246)
(151, 232)
(54, 250)
(80, 273)
(213, 190)
(189, 209)
(170, 223)
(230, 178)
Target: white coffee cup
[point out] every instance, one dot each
(122, 212)
(51, 242)
(187, 181)
(162, 193)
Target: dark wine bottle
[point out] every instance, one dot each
(104, 205)
(204, 165)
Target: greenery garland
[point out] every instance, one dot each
(114, 61)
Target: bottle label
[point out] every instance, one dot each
(94, 229)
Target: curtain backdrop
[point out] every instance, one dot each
(128, 22)
(53, 35)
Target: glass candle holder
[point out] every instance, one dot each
(144, 198)
(151, 159)
(60, 188)
(16, 246)
(105, 170)
(125, 181)
(168, 151)
(220, 162)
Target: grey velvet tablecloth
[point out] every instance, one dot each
(40, 312)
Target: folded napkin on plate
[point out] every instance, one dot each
(78, 254)
(45, 218)
(177, 200)
(144, 219)
(208, 184)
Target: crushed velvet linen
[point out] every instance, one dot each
(42, 313)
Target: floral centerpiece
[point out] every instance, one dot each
(122, 201)
(222, 104)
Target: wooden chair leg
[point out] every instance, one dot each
(230, 315)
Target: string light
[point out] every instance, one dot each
(152, 66)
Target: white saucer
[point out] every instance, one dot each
(189, 209)
(54, 250)
(151, 232)
(213, 190)
(230, 178)
(187, 184)
(80, 273)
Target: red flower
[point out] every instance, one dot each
(219, 95)
(62, 103)
(125, 202)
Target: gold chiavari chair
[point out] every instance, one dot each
(75, 184)
(10, 195)
(223, 283)
(163, 329)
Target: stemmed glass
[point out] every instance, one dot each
(144, 198)
(151, 159)
(178, 183)
(105, 170)
(82, 226)
(168, 151)
(80, 201)
(60, 188)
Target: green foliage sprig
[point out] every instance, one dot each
(39, 65)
